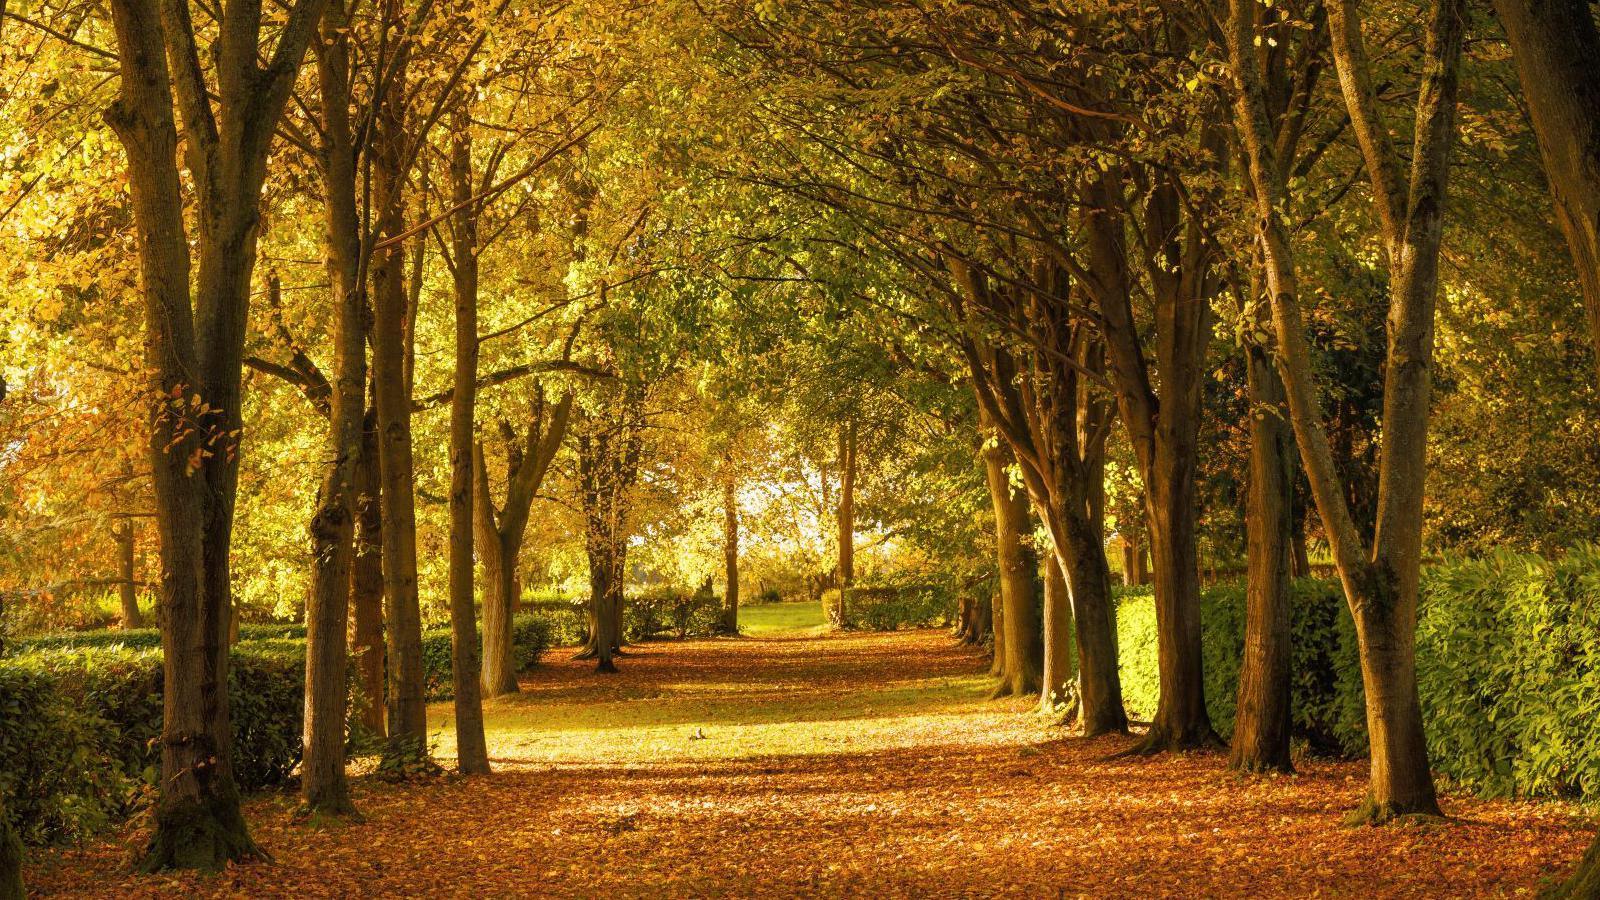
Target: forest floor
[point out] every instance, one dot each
(789, 763)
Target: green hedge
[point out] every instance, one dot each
(681, 614)
(140, 638)
(79, 738)
(1508, 669)
(1327, 701)
(890, 606)
(530, 637)
(1509, 672)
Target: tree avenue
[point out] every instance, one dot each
(393, 388)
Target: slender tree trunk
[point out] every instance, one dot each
(730, 553)
(1261, 726)
(472, 754)
(1020, 654)
(1059, 675)
(846, 520)
(366, 580)
(407, 708)
(323, 784)
(1300, 562)
(997, 630)
(127, 584)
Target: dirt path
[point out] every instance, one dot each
(859, 765)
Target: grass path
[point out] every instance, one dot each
(842, 765)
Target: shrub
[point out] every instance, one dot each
(1327, 704)
(142, 638)
(530, 637)
(1508, 669)
(81, 730)
(564, 620)
(893, 605)
(684, 615)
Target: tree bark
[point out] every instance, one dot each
(1261, 724)
(127, 583)
(730, 552)
(845, 518)
(1380, 582)
(472, 754)
(391, 332)
(1057, 681)
(501, 531)
(194, 342)
(1555, 45)
(323, 785)
(1020, 654)
(366, 580)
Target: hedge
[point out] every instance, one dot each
(80, 719)
(1327, 705)
(1508, 669)
(530, 637)
(892, 605)
(80, 734)
(140, 638)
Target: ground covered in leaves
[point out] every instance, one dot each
(786, 764)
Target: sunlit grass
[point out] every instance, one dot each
(570, 716)
(763, 619)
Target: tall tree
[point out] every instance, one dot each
(194, 342)
(1380, 580)
(845, 521)
(322, 780)
(391, 339)
(472, 755)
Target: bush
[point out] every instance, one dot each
(563, 619)
(682, 614)
(890, 606)
(81, 732)
(530, 637)
(141, 638)
(1508, 668)
(1327, 704)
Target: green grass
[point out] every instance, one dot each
(767, 619)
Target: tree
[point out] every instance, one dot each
(193, 345)
(1380, 581)
(322, 779)
(501, 530)
(472, 754)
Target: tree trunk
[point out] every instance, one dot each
(1380, 582)
(499, 567)
(194, 346)
(846, 520)
(323, 785)
(1020, 654)
(10, 845)
(1181, 721)
(606, 565)
(366, 581)
(1300, 562)
(127, 584)
(730, 553)
(1584, 884)
(997, 629)
(472, 754)
(1261, 726)
(407, 707)
(1555, 45)
(1057, 680)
